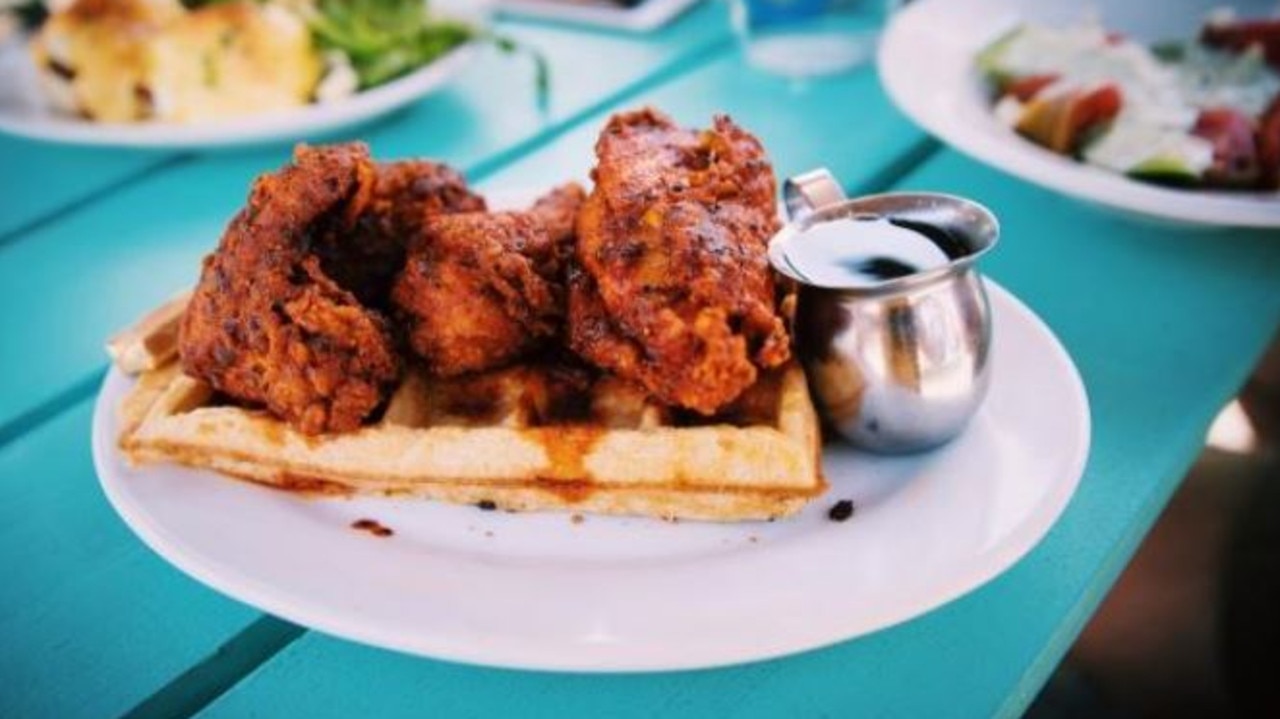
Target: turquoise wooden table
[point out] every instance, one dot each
(1164, 324)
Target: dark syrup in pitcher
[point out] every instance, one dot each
(866, 250)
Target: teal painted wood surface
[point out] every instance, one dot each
(91, 622)
(98, 269)
(802, 126)
(37, 180)
(1135, 304)
(1164, 324)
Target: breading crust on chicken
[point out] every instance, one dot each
(267, 326)
(480, 290)
(366, 257)
(659, 277)
(673, 286)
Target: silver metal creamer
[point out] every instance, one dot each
(892, 322)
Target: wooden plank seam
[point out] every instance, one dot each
(48, 410)
(665, 74)
(195, 688)
(91, 197)
(894, 172)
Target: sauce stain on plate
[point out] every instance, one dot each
(372, 526)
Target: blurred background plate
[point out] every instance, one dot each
(927, 65)
(639, 16)
(25, 111)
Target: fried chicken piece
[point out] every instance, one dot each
(267, 326)
(674, 288)
(480, 290)
(366, 257)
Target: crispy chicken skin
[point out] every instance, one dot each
(267, 326)
(365, 258)
(480, 290)
(673, 288)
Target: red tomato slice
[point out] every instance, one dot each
(1062, 123)
(1235, 153)
(1025, 88)
(1095, 108)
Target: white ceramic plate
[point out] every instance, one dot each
(24, 111)
(648, 15)
(926, 62)
(540, 591)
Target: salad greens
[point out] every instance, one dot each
(384, 38)
(1199, 112)
(388, 38)
(30, 14)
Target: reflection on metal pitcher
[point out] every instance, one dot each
(892, 321)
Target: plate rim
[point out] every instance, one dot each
(645, 17)
(1027, 161)
(246, 589)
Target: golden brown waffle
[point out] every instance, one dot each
(548, 435)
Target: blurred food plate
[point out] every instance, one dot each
(633, 15)
(153, 73)
(929, 64)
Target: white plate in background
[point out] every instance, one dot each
(648, 15)
(927, 64)
(25, 111)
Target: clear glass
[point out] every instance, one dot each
(802, 38)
